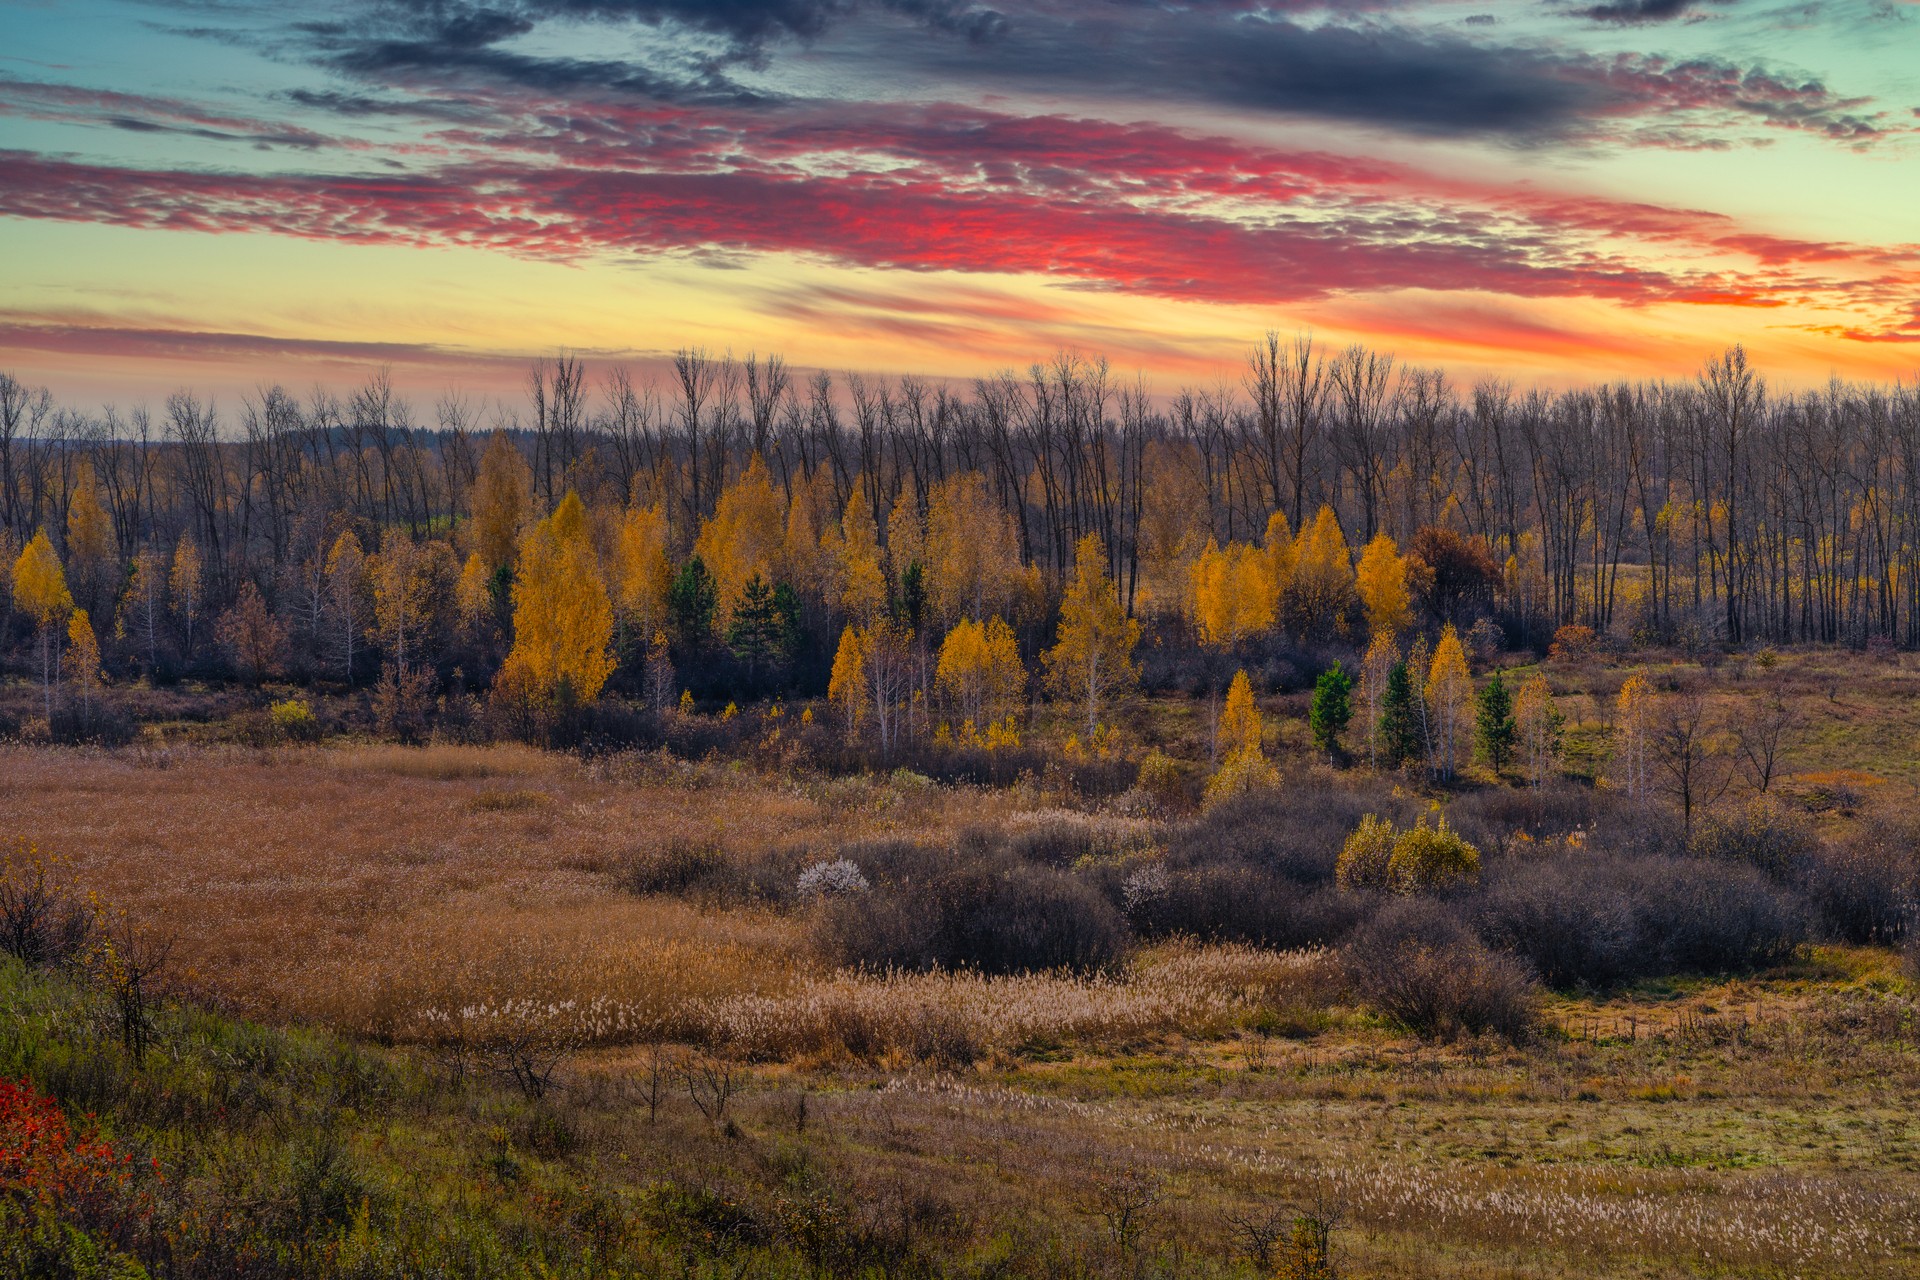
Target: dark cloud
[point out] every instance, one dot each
(363, 106)
(1406, 79)
(140, 113)
(1633, 13)
(1237, 54)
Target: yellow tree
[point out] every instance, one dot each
(1240, 730)
(972, 552)
(1375, 667)
(659, 675)
(83, 659)
(1232, 596)
(562, 615)
(863, 585)
(473, 594)
(906, 534)
(1449, 700)
(347, 592)
(90, 545)
(744, 538)
(1243, 760)
(980, 672)
(1092, 657)
(186, 583)
(40, 592)
(399, 598)
(1006, 674)
(1633, 735)
(142, 604)
(502, 502)
(642, 570)
(1277, 549)
(804, 552)
(961, 671)
(1537, 723)
(1320, 590)
(847, 686)
(1382, 584)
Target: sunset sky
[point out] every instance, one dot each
(225, 193)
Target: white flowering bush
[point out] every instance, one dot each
(837, 879)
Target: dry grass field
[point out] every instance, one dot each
(1758, 1126)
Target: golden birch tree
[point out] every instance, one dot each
(1449, 697)
(40, 591)
(1091, 661)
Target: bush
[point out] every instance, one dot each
(1419, 964)
(1171, 783)
(1236, 902)
(1365, 856)
(969, 908)
(103, 725)
(836, 879)
(1296, 832)
(295, 721)
(1760, 834)
(1241, 775)
(1866, 889)
(1598, 919)
(1427, 859)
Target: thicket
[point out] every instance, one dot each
(1574, 890)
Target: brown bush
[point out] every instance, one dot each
(1419, 963)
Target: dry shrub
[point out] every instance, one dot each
(1295, 832)
(1062, 837)
(1595, 919)
(969, 907)
(1419, 963)
(1866, 889)
(1760, 834)
(1235, 902)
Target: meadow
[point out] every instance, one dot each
(603, 1013)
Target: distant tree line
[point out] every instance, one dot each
(742, 521)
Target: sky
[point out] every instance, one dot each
(223, 194)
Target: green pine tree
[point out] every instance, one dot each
(1399, 722)
(757, 634)
(1331, 708)
(1494, 732)
(911, 602)
(787, 607)
(691, 601)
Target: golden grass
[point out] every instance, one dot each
(292, 879)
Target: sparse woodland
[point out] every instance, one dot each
(1336, 824)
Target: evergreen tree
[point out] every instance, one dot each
(1399, 725)
(691, 602)
(758, 633)
(1331, 708)
(792, 618)
(910, 604)
(1494, 731)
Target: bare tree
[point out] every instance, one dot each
(1694, 768)
(1760, 734)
